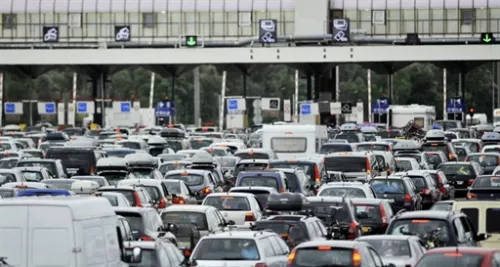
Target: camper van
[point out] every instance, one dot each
(423, 116)
(59, 231)
(290, 141)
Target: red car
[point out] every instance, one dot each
(460, 256)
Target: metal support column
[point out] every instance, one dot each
(309, 87)
(317, 86)
(196, 96)
(390, 86)
(244, 84)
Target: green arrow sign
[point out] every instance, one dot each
(191, 41)
(487, 38)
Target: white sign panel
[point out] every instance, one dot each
(270, 103)
(287, 110)
(47, 107)
(61, 113)
(360, 111)
(71, 114)
(85, 107)
(335, 108)
(12, 108)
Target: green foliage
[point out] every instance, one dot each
(416, 83)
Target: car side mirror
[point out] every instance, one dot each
(134, 255)
(482, 237)
(135, 235)
(230, 222)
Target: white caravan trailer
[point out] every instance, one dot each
(58, 231)
(424, 116)
(291, 141)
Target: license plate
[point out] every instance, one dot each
(72, 170)
(365, 229)
(460, 182)
(391, 200)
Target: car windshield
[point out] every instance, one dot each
(332, 148)
(403, 165)
(228, 203)
(390, 248)
(367, 213)
(388, 186)
(346, 164)
(178, 217)
(485, 160)
(320, 256)
(32, 176)
(153, 191)
(343, 191)
(451, 260)
(113, 177)
(226, 249)
(259, 181)
(371, 147)
(188, 179)
(457, 169)
(118, 153)
(422, 228)
(148, 258)
(486, 182)
(200, 143)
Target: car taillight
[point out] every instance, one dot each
(407, 198)
(356, 258)
(470, 182)
(425, 191)
(282, 189)
(383, 214)
(261, 264)
(145, 238)
(250, 217)
(162, 204)
(471, 196)
(291, 257)
(450, 156)
(353, 231)
(206, 190)
(92, 169)
(317, 176)
(368, 167)
(178, 200)
(137, 199)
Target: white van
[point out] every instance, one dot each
(58, 231)
(291, 141)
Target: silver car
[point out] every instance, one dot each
(400, 250)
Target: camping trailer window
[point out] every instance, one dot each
(420, 121)
(289, 144)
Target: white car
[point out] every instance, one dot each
(242, 208)
(348, 189)
(406, 164)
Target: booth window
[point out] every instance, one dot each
(9, 21)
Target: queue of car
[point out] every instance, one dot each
(162, 196)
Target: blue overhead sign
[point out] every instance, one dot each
(165, 109)
(10, 108)
(455, 105)
(380, 106)
(125, 107)
(305, 109)
(232, 104)
(81, 107)
(50, 108)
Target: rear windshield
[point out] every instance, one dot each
(343, 191)
(153, 191)
(227, 249)
(473, 214)
(253, 155)
(134, 219)
(368, 213)
(259, 181)
(118, 153)
(484, 160)
(8, 163)
(332, 148)
(129, 195)
(113, 177)
(487, 182)
(164, 168)
(403, 165)
(492, 219)
(422, 228)
(388, 186)
(390, 248)
(314, 257)
(324, 210)
(457, 169)
(419, 182)
(172, 188)
(81, 159)
(492, 149)
(49, 165)
(249, 167)
(351, 138)
(435, 147)
(260, 195)
(200, 143)
(289, 144)
(372, 147)
(346, 164)
(228, 203)
(189, 179)
(36, 154)
(131, 145)
(307, 167)
(177, 217)
(451, 260)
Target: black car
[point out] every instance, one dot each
(399, 191)
(374, 215)
(345, 213)
(426, 187)
(461, 175)
(447, 190)
(485, 188)
(488, 161)
(441, 228)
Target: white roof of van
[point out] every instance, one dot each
(82, 207)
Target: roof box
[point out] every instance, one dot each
(84, 187)
(286, 202)
(172, 133)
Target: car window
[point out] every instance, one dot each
(267, 247)
(492, 219)
(376, 258)
(277, 247)
(473, 214)
(459, 230)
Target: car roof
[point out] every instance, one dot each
(189, 171)
(31, 168)
(374, 201)
(331, 243)
(327, 199)
(457, 163)
(234, 194)
(472, 250)
(189, 208)
(38, 160)
(484, 154)
(256, 188)
(349, 154)
(132, 209)
(240, 234)
(149, 182)
(147, 245)
(388, 237)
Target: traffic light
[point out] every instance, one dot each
(471, 112)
